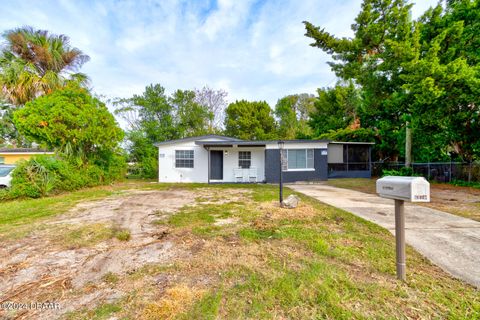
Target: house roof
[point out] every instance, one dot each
(352, 142)
(254, 143)
(208, 136)
(24, 150)
(229, 141)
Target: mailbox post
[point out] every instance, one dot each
(400, 239)
(401, 189)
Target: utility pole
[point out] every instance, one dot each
(408, 145)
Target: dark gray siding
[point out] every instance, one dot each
(272, 168)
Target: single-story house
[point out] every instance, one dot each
(12, 155)
(219, 159)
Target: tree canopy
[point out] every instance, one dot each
(35, 62)
(424, 73)
(69, 119)
(292, 113)
(335, 108)
(250, 120)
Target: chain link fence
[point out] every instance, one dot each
(437, 171)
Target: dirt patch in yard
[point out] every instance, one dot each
(216, 252)
(47, 262)
(461, 201)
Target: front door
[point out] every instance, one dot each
(216, 165)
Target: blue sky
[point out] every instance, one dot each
(253, 49)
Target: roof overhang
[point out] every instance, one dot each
(209, 136)
(230, 144)
(352, 142)
(252, 143)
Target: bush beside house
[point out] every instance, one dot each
(84, 135)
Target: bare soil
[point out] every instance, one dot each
(33, 268)
(461, 201)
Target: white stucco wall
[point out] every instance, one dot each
(230, 162)
(199, 173)
(166, 164)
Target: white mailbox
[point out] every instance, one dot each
(401, 189)
(413, 189)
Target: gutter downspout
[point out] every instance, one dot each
(208, 151)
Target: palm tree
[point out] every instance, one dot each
(34, 62)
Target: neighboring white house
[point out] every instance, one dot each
(219, 159)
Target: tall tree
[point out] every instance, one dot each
(419, 76)
(292, 113)
(191, 118)
(71, 121)
(34, 62)
(374, 60)
(154, 116)
(215, 101)
(443, 80)
(151, 119)
(336, 108)
(250, 120)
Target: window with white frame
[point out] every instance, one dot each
(244, 159)
(183, 158)
(298, 159)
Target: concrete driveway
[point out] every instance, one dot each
(451, 242)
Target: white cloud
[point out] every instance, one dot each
(252, 49)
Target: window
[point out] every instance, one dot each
(298, 159)
(183, 158)
(2, 160)
(244, 159)
(4, 171)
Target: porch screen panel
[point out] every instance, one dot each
(357, 157)
(184, 158)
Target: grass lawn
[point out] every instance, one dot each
(461, 201)
(246, 258)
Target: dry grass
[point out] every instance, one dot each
(175, 300)
(268, 262)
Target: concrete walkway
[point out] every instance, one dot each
(449, 241)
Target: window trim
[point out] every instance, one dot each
(306, 160)
(249, 159)
(184, 158)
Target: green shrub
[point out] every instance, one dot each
(462, 183)
(33, 178)
(41, 175)
(404, 171)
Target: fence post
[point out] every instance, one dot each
(450, 180)
(470, 172)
